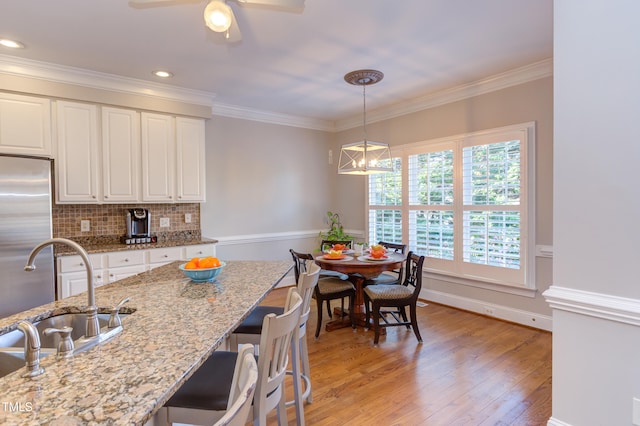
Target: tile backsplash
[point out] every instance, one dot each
(107, 221)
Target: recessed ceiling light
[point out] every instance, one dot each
(11, 43)
(163, 74)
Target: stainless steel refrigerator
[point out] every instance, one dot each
(25, 221)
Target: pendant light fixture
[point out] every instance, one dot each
(365, 157)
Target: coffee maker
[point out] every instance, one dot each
(138, 226)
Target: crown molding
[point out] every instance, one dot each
(21, 67)
(11, 65)
(233, 111)
(503, 80)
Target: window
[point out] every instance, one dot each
(462, 202)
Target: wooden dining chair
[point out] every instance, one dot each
(390, 277)
(325, 245)
(328, 288)
(203, 398)
(396, 296)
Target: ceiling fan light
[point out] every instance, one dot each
(217, 16)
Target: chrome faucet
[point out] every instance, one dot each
(31, 349)
(93, 327)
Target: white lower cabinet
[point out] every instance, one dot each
(113, 266)
(162, 256)
(200, 250)
(72, 274)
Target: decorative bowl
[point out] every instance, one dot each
(202, 275)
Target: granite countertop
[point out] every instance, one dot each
(176, 325)
(103, 247)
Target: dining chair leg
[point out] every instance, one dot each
(403, 312)
(319, 323)
(376, 323)
(414, 322)
(329, 309)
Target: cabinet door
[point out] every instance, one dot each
(116, 274)
(25, 125)
(199, 250)
(77, 152)
(190, 176)
(72, 283)
(158, 157)
(162, 256)
(121, 154)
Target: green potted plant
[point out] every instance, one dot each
(336, 231)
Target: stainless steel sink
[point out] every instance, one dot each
(12, 343)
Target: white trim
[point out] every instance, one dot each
(244, 113)
(481, 283)
(555, 422)
(275, 236)
(502, 312)
(21, 67)
(597, 305)
(544, 251)
(500, 81)
(262, 238)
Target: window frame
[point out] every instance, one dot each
(457, 270)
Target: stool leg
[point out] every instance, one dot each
(297, 381)
(306, 370)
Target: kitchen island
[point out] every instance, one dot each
(175, 326)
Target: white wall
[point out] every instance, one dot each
(595, 292)
(267, 188)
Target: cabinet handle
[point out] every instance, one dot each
(106, 196)
(126, 260)
(81, 263)
(93, 196)
(166, 255)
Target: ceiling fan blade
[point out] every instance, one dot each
(278, 3)
(233, 34)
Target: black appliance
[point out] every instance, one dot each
(138, 226)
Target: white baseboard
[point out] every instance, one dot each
(502, 312)
(556, 422)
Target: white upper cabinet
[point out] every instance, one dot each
(25, 125)
(158, 157)
(120, 155)
(191, 175)
(77, 172)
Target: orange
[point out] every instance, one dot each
(190, 265)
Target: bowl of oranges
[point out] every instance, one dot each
(202, 270)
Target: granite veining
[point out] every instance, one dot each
(175, 325)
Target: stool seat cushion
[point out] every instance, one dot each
(209, 388)
(253, 323)
(388, 291)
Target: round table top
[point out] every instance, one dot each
(363, 265)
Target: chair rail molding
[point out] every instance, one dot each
(598, 305)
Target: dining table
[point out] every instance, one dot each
(360, 269)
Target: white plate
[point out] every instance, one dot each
(373, 259)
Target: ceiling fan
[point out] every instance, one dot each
(218, 15)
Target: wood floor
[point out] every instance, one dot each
(470, 370)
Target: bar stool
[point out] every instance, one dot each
(251, 328)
